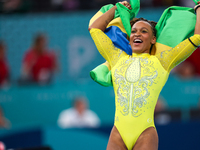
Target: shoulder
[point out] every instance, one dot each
(96, 32)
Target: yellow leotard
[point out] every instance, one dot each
(138, 81)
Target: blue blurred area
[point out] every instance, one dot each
(34, 105)
(174, 136)
(28, 107)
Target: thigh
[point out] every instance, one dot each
(115, 141)
(148, 140)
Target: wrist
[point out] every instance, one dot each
(197, 8)
(115, 7)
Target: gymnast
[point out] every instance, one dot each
(138, 78)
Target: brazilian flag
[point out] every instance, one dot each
(175, 25)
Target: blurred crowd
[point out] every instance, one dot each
(23, 6)
(78, 115)
(38, 65)
(189, 69)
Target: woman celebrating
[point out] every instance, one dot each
(138, 78)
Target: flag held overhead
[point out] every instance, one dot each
(172, 28)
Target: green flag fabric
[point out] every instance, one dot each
(196, 1)
(175, 25)
(102, 75)
(126, 14)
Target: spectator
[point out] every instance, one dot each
(57, 5)
(15, 6)
(39, 64)
(185, 70)
(71, 4)
(4, 122)
(194, 60)
(66, 5)
(161, 105)
(161, 113)
(2, 146)
(78, 116)
(4, 69)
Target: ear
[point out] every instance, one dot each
(153, 41)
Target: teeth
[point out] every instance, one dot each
(138, 40)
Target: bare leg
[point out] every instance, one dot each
(115, 141)
(148, 140)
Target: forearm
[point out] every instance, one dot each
(103, 21)
(180, 52)
(197, 27)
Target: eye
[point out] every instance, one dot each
(144, 31)
(133, 31)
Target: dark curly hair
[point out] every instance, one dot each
(152, 23)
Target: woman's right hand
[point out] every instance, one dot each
(197, 26)
(103, 21)
(126, 4)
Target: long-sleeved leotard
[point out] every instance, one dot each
(138, 80)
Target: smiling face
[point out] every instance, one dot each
(141, 37)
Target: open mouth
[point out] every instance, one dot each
(138, 41)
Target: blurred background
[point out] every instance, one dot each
(46, 54)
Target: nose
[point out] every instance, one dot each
(137, 34)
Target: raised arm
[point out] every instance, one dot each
(197, 27)
(103, 21)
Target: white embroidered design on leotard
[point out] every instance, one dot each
(132, 91)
